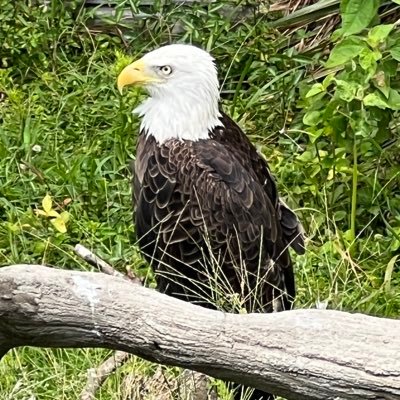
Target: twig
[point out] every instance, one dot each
(104, 267)
(97, 376)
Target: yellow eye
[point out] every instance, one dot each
(166, 69)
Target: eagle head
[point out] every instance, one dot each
(182, 82)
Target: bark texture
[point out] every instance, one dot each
(301, 354)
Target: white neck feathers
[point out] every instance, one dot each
(178, 117)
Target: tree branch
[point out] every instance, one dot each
(301, 354)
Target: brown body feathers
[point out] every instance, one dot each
(210, 222)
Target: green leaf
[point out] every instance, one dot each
(395, 52)
(59, 224)
(396, 1)
(41, 212)
(340, 215)
(311, 118)
(375, 100)
(328, 80)
(346, 90)
(390, 67)
(394, 99)
(315, 89)
(345, 51)
(357, 15)
(378, 34)
(65, 216)
(368, 59)
(306, 156)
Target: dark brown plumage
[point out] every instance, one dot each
(210, 222)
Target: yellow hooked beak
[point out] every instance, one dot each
(135, 73)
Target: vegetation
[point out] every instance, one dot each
(326, 117)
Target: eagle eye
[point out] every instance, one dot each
(166, 70)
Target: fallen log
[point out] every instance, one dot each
(300, 354)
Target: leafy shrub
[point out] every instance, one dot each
(32, 32)
(351, 118)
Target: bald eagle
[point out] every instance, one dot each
(208, 215)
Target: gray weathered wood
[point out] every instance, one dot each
(105, 13)
(301, 354)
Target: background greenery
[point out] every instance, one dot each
(320, 99)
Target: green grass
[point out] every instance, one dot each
(46, 373)
(66, 132)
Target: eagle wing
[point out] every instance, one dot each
(197, 207)
(231, 136)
